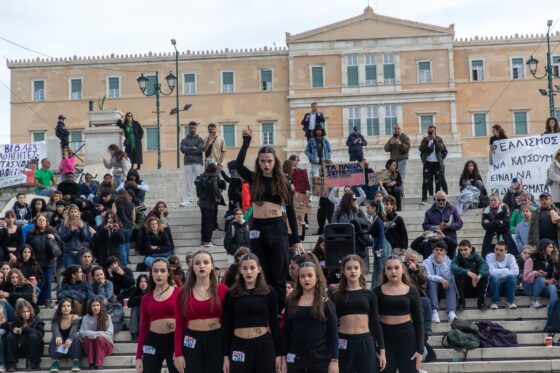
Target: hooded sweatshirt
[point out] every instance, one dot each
(474, 263)
(438, 271)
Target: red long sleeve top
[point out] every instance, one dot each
(195, 310)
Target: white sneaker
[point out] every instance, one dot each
(536, 304)
(186, 204)
(493, 306)
(512, 306)
(451, 316)
(435, 316)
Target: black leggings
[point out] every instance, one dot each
(157, 348)
(29, 345)
(309, 359)
(431, 175)
(271, 247)
(356, 353)
(203, 351)
(400, 345)
(255, 355)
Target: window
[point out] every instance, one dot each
(373, 120)
(227, 81)
(114, 86)
(352, 70)
(479, 123)
(189, 84)
(228, 133)
(38, 90)
(556, 66)
(520, 123)
(517, 68)
(390, 118)
(425, 122)
(317, 77)
(76, 89)
(151, 84)
(76, 141)
(151, 138)
(558, 114)
(353, 118)
(371, 70)
(424, 72)
(266, 80)
(267, 133)
(477, 70)
(389, 68)
(38, 136)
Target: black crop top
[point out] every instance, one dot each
(400, 305)
(304, 329)
(361, 302)
(249, 311)
(247, 175)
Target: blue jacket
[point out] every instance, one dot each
(74, 240)
(62, 133)
(102, 291)
(354, 148)
(77, 291)
(311, 150)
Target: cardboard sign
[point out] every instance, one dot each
(319, 188)
(18, 162)
(375, 178)
(301, 203)
(300, 180)
(342, 174)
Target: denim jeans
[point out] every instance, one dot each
(508, 283)
(46, 290)
(450, 295)
(149, 259)
(426, 314)
(9, 311)
(46, 192)
(69, 258)
(539, 288)
(124, 249)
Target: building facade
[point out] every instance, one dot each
(372, 71)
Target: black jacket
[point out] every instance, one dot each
(37, 327)
(395, 231)
(498, 224)
(25, 291)
(105, 244)
(148, 239)
(237, 235)
(44, 248)
(208, 201)
(135, 297)
(62, 133)
(319, 120)
(30, 269)
(72, 189)
(136, 155)
(122, 285)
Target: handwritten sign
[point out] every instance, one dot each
(18, 161)
(301, 203)
(342, 174)
(525, 158)
(319, 188)
(300, 180)
(375, 178)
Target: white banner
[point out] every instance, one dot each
(524, 158)
(18, 162)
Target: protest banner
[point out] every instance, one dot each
(319, 188)
(342, 174)
(300, 180)
(18, 162)
(301, 203)
(524, 158)
(375, 178)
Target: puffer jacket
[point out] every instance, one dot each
(237, 235)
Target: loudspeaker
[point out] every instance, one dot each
(339, 242)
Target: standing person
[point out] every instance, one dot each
(551, 126)
(495, 221)
(395, 228)
(44, 179)
(310, 337)
(318, 150)
(311, 120)
(355, 143)
(62, 132)
(394, 185)
(157, 321)
(65, 324)
(553, 178)
(119, 164)
(134, 301)
(198, 311)
(431, 149)
(498, 133)
(252, 342)
(133, 134)
(208, 182)
(68, 161)
(214, 146)
(539, 274)
(192, 147)
(545, 222)
(25, 337)
(398, 147)
(96, 334)
(358, 313)
(126, 212)
(503, 273)
(75, 235)
(237, 234)
(381, 248)
(400, 313)
(270, 194)
(471, 275)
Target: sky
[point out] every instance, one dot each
(61, 28)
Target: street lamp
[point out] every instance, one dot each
(533, 65)
(174, 43)
(143, 84)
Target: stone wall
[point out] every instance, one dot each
(10, 192)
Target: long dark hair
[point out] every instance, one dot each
(117, 152)
(547, 127)
(19, 313)
(102, 318)
(404, 277)
(318, 306)
(345, 205)
(467, 175)
(501, 133)
(58, 313)
(34, 210)
(139, 279)
(341, 292)
(155, 211)
(541, 247)
(151, 282)
(317, 249)
(239, 289)
(71, 270)
(279, 183)
(191, 282)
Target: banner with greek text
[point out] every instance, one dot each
(342, 174)
(524, 158)
(18, 162)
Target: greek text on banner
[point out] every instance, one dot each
(18, 162)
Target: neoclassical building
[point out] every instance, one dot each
(370, 70)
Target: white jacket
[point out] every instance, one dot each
(502, 269)
(554, 176)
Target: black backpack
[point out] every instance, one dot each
(202, 185)
(553, 318)
(495, 335)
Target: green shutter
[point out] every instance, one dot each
(480, 125)
(352, 76)
(476, 63)
(517, 61)
(389, 124)
(151, 138)
(389, 73)
(425, 122)
(38, 136)
(150, 85)
(229, 134)
(267, 133)
(189, 78)
(227, 78)
(371, 74)
(76, 89)
(373, 126)
(114, 89)
(557, 114)
(266, 76)
(520, 123)
(317, 76)
(39, 84)
(424, 66)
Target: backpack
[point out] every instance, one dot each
(553, 318)
(202, 187)
(495, 335)
(462, 337)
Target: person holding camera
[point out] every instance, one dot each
(514, 194)
(445, 217)
(398, 147)
(355, 143)
(134, 184)
(431, 152)
(419, 279)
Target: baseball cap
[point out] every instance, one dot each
(544, 195)
(356, 128)
(61, 117)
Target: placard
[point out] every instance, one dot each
(18, 162)
(300, 180)
(301, 203)
(380, 177)
(319, 188)
(342, 174)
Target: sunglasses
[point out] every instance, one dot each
(441, 200)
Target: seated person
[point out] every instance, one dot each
(495, 221)
(69, 188)
(425, 243)
(74, 287)
(545, 222)
(105, 204)
(121, 277)
(445, 217)
(22, 210)
(419, 279)
(106, 185)
(88, 187)
(441, 280)
(513, 193)
(154, 242)
(134, 184)
(471, 275)
(58, 216)
(503, 274)
(347, 189)
(517, 214)
(539, 274)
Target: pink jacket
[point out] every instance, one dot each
(67, 165)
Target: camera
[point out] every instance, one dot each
(395, 135)
(430, 133)
(406, 263)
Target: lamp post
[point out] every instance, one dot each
(174, 43)
(533, 64)
(143, 84)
